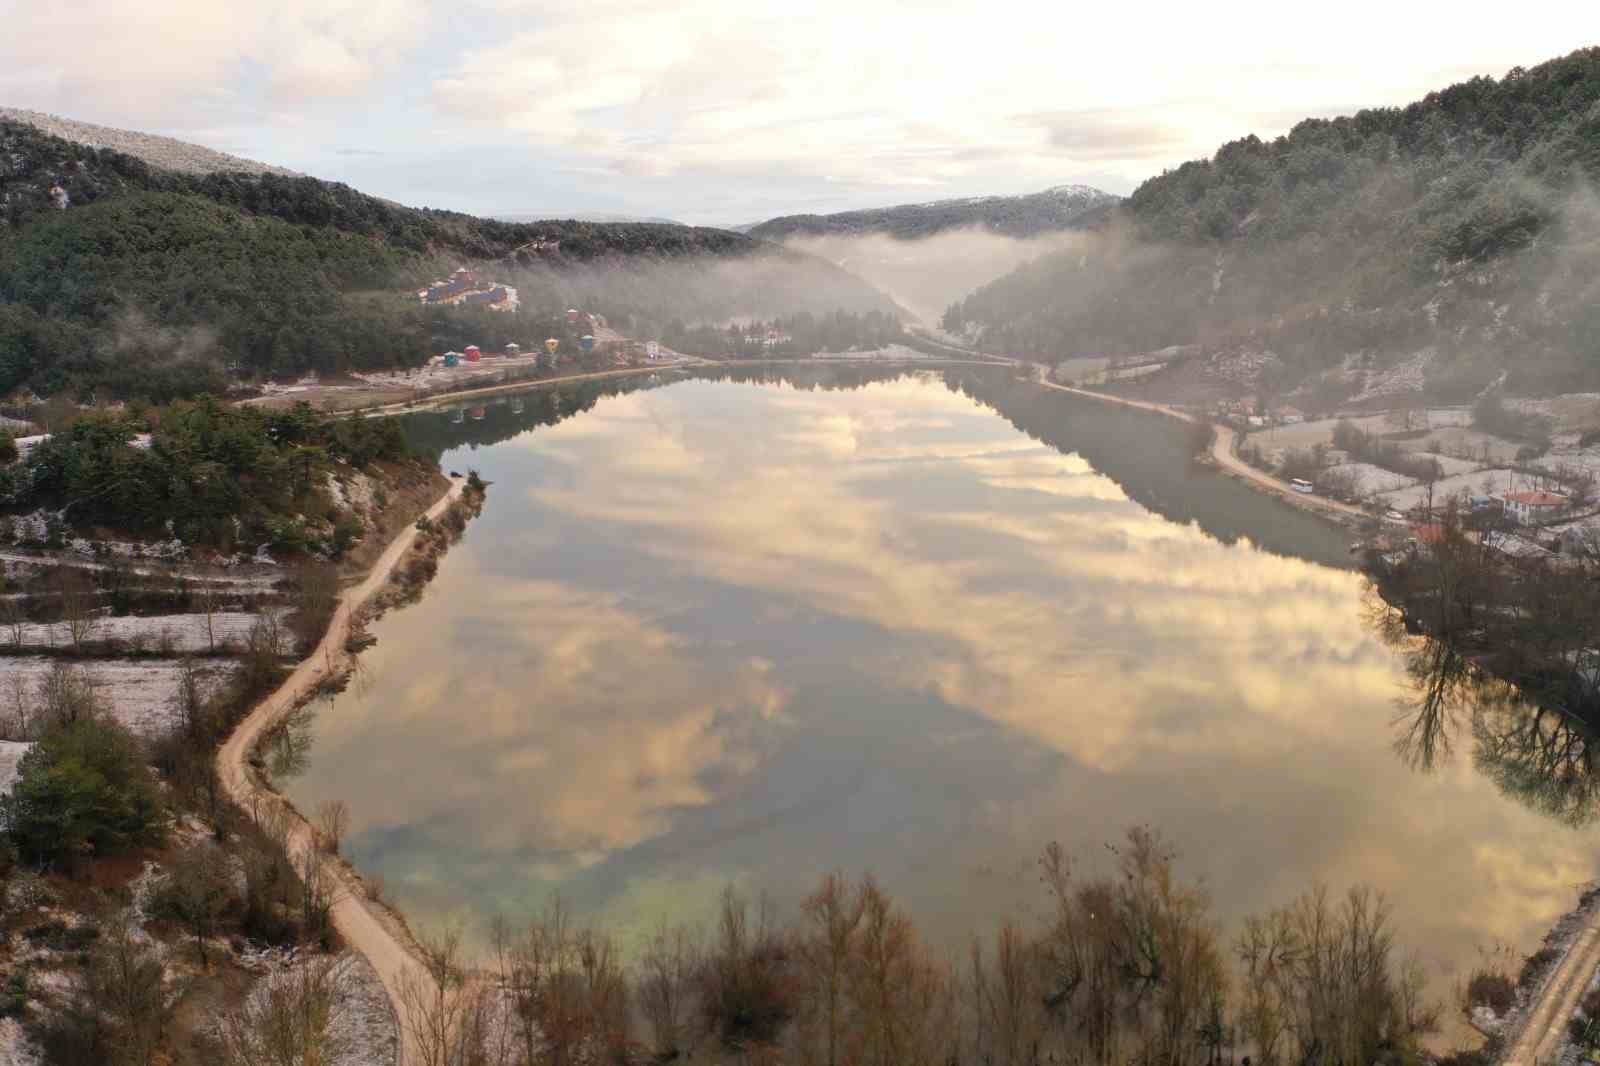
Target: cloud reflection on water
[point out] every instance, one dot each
(716, 631)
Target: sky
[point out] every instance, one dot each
(718, 113)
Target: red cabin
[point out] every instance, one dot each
(472, 353)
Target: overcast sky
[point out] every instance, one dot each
(719, 112)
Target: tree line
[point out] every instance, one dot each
(1127, 966)
(161, 285)
(206, 472)
(790, 335)
(1459, 221)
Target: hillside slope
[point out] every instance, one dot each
(1456, 237)
(1059, 208)
(138, 280)
(164, 152)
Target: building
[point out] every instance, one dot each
(1532, 508)
(472, 353)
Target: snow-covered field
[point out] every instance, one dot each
(11, 753)
(892, 351)
(141, 695)
(1452, 466)
(1371, 479)
(1469, 483)
(1463, 439)
(362, 1031)
(161, 632)
(1310, 434)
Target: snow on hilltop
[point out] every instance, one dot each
(164, 152)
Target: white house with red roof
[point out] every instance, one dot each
(1533, 507)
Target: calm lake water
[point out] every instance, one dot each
(712, 631)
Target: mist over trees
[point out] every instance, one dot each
(163, 285)
(1463, 222)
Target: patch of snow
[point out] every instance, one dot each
(15, 1047)
(140, 695)
(1370, 479)
(1467, 484)
(179, 632)
(11, 753)
(1404, 377)
(363, 1029)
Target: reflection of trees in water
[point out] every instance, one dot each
(434, 431)
(1542, 756)
(1539, 753)
(288, 745)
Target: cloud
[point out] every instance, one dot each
(705, 111)
(909, 95)
(185, 64)
(1099, 135)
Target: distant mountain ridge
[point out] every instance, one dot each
(1061, 207)
(590, 216)
(1442, 243)
(125, 278)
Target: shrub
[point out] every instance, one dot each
(1492, 990)
(83, 785)
(1534, 967)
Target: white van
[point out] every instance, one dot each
(1300, 484)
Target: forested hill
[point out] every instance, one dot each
(1063, 207)
(1456, 237)
(134, 280)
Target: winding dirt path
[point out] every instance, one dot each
(357, 923)
(1546, 1028)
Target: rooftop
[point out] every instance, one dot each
(1536, 499)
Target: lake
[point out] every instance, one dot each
(755, 628)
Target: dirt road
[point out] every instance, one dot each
(357, 923)
(1222, 450)
(1546, 1028)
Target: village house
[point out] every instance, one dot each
(1531, 508)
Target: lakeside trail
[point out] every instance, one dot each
(356, 922)
(1545, 1030)
(1223, 450)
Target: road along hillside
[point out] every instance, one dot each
(353, 917)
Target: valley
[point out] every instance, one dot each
(1000, 629)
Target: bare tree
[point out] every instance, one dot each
(20, 727)
(209, 596)
(665, 987)
(190, 702)
(288, 1020)
(78, 617)
(13, 617)
(436, 1003)
(66, 695)
(118, 1012)
(333, 818)
(826, 949)
(319, 891)
(198, 892)
(1322, 980)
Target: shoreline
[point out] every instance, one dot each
(1225, 454)
(428, 400)
(362, 930)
